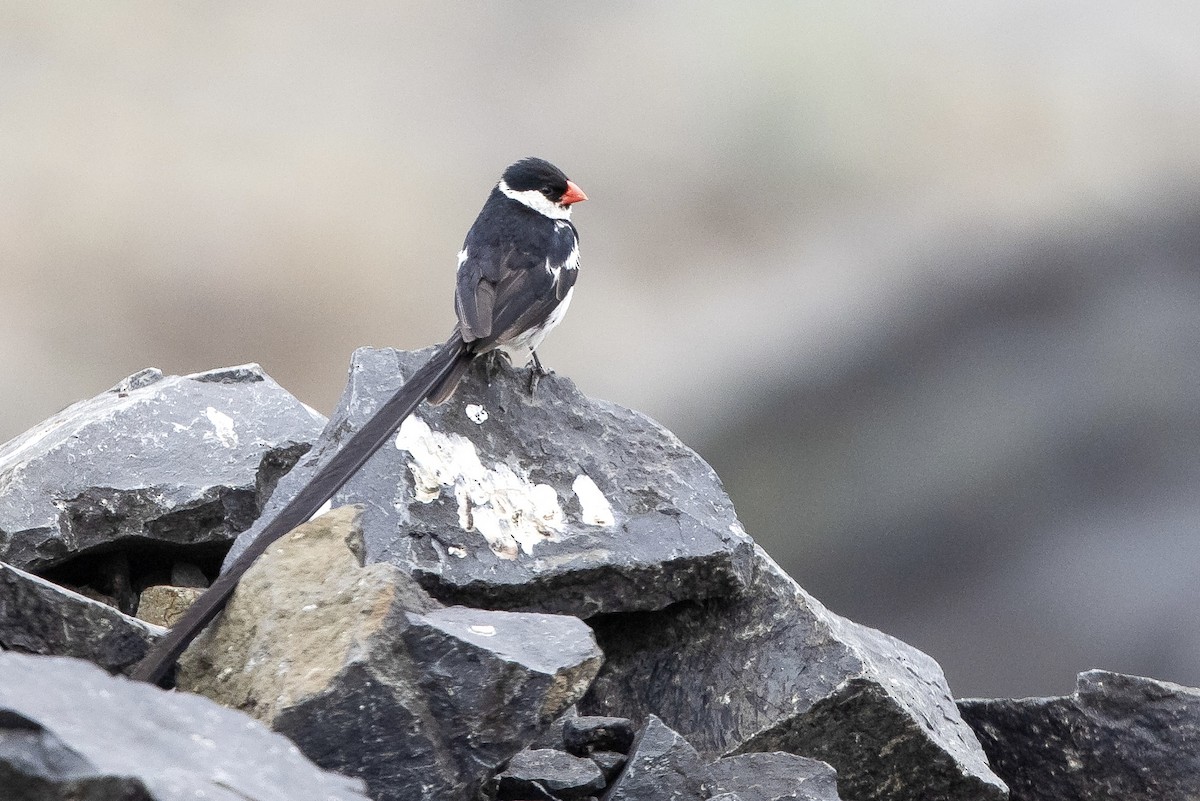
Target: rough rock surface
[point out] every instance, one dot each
(38, 617)
(662, 766)
(610, 763)
(549, 771)
(167, 460)
(70, 731)
(164, 604)
(584, 734)
(775, 671)
(1116, 738)
(557, 504)
(371, 677)
(774, 776)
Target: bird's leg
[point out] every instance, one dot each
(536, 374)
(493, 365)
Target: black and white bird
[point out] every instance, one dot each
(516, 273)
(516, 270)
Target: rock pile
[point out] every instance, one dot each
(520, 598)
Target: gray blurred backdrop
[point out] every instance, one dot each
(922, 282)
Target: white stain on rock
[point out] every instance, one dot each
(222, 428)
(511, 512)
(597, 511)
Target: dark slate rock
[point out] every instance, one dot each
(662, 766)
(557, 504)
(37, 617)
(776, 671)
(587, 733)
(371, 677)
(726, 797)
(609, 762)
(774, 776)
(552, 737)
(174, 460)
(560, 774)
(1116, 738)
(70, 731)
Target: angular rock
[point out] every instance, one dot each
(554, 772)
(70, 731)
(558, 503)
(552, 737)
(609, 762)
(662, 766)
(776, 671)
(170, 460)
(163, 604)
(38, 617)
(587, 733)
(371, 677)
(1117, 737)
(774, 776)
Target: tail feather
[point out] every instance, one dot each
(442, 391)
(449, 362)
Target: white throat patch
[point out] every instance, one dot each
(537, 201)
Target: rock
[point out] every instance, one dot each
(1117, 737)
(163, 604)
(186, 574)
(38, 617)
(371, 677)
(179, 461)
(557, 504)
(584, 734)
(546, 770)
(552, 737)
(609, 762)
(775, 671)
(774, 777)
(68, 730)
(662, 766)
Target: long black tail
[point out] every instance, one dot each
(448, 362)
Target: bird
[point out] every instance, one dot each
(516, 270)
(516, 275)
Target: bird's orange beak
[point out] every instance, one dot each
(573, 194)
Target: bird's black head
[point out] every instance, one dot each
(539, 175)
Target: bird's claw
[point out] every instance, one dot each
(536, 375)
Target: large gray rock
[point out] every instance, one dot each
(371, 677)
(776, 671)
(662, 766)
(1116, 738)
(68, 730)
(169, 460)
(551, 772)
(775, 776)
(38, 617)
(558, 503)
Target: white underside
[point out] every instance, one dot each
(520, 349)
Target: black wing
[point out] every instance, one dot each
(506, 285)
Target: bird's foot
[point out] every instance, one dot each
(536, 375)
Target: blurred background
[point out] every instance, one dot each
(922, 282)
